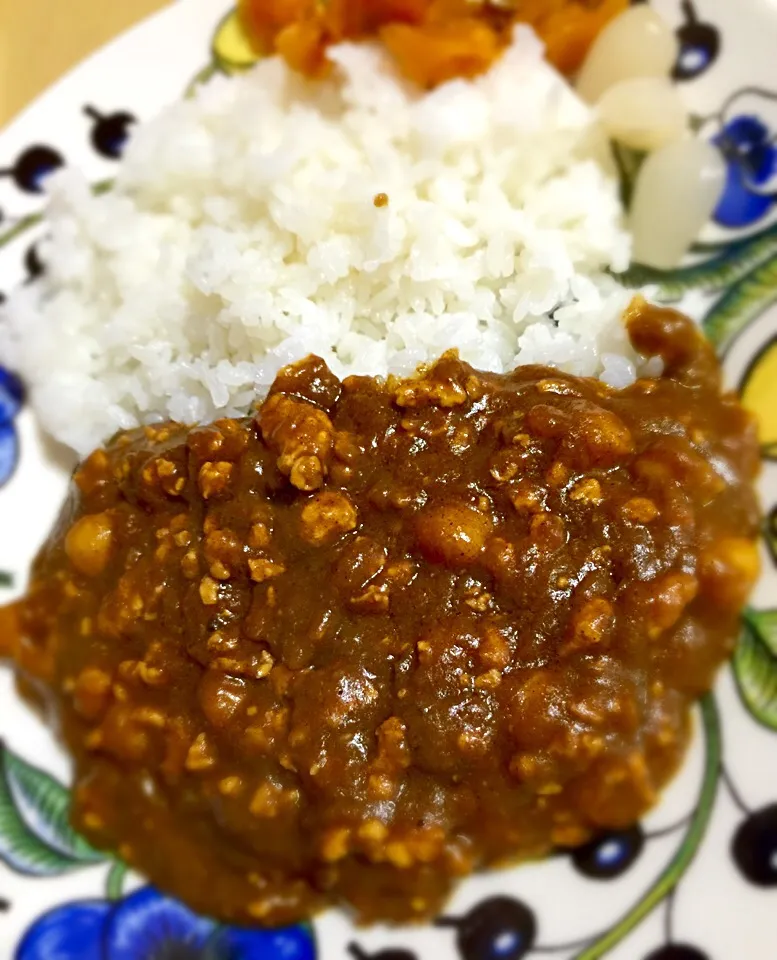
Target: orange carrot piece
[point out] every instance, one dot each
(433, 53)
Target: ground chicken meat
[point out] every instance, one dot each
(386, 633)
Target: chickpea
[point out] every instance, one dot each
(453, 533)
(92, 693)
(89, 544)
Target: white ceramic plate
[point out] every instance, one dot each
(698, 879)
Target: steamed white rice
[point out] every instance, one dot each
(242, 234)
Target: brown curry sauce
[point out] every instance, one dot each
(383, 634)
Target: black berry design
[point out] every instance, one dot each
(754, 847)
(609, 855)
(699, 45)
(497, 929)
(110, 132)
(33, 263)
(32, 167)
(677, 951)
(359, 954)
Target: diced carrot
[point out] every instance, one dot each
(432, 40)
(533, 11)
(442, 11)
(344, 19)
(303, 47)
(433, 53)
(401, 11)
(263, 19)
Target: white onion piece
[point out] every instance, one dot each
(676, 191)
(644, 113)
(638, 43)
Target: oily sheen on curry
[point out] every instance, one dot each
(384, 633)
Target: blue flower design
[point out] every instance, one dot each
(11, 399)
(751, 162)
(147, 925)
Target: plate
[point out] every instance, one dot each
(697, 879)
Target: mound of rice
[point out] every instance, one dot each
(243, 233)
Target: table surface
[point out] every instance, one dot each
(41, 39)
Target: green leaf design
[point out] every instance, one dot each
(730, 265)
(742, 303)
(35, 836)
(6, 579)
(20, 849)
(628, 163)
(202, 76)
(755, 665)
(26, 223)
(114, 882)
(19, 228)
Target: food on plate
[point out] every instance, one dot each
(431, 40)
(362, 219)
(677, 190)
(242, 233)
(387, 632)
(445, 600)
(645, 113)
(628, 77)
(637, 43)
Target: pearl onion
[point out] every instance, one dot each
(676, 192)
(638, 43)
(644, 113)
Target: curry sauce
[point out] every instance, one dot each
(382, 634)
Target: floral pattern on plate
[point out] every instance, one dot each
(731, 281)
(147, 925)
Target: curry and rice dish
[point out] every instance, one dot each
(385, 633)
(402, 543)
